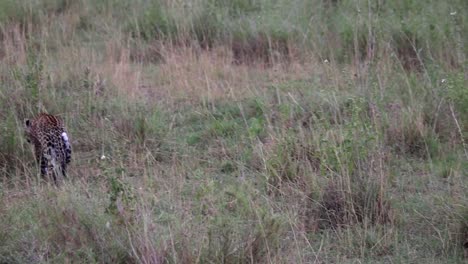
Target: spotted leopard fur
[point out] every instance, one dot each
(52, 147)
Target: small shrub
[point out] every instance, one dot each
(122, 199)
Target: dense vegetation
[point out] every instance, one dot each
(237, 131)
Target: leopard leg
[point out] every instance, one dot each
(47, 164)
(44, 164)
(64, 171)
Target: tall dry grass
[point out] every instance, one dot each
(238, 131)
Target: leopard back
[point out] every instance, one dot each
(52, 147)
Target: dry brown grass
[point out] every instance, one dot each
(263, 151)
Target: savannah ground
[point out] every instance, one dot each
(243, 131)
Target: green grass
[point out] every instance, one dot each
(247, 131)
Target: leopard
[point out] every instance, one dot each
(52, 148)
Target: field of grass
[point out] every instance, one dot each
(237, 131)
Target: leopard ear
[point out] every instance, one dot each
(27, 122)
